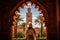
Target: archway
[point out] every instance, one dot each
(13, 14)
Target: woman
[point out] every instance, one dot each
(30, 34)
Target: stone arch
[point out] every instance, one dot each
(12, 15)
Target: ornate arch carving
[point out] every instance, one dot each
(41, 7)
(19, 5)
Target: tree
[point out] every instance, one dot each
(24, 24)
(40, 20)
(19, 18)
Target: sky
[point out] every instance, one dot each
(34, 12)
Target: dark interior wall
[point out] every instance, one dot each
(52, 28)
(59, 18)
(50, 6)
(6, 7)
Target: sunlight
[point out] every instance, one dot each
(30, 13)
(34, 15)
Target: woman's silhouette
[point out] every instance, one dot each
(30, 34)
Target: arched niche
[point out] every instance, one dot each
(13, 15)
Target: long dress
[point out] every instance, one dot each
(30, 35)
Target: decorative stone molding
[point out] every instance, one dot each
(16, 10)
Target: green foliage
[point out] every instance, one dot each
(19, 18)
(25, 39)
(19, 35)
(38, 34)
(39, 19)
(24, 24)
(43, 33)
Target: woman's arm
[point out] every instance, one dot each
(26, 34)
(34, 36)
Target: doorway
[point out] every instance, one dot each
(22, 17)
